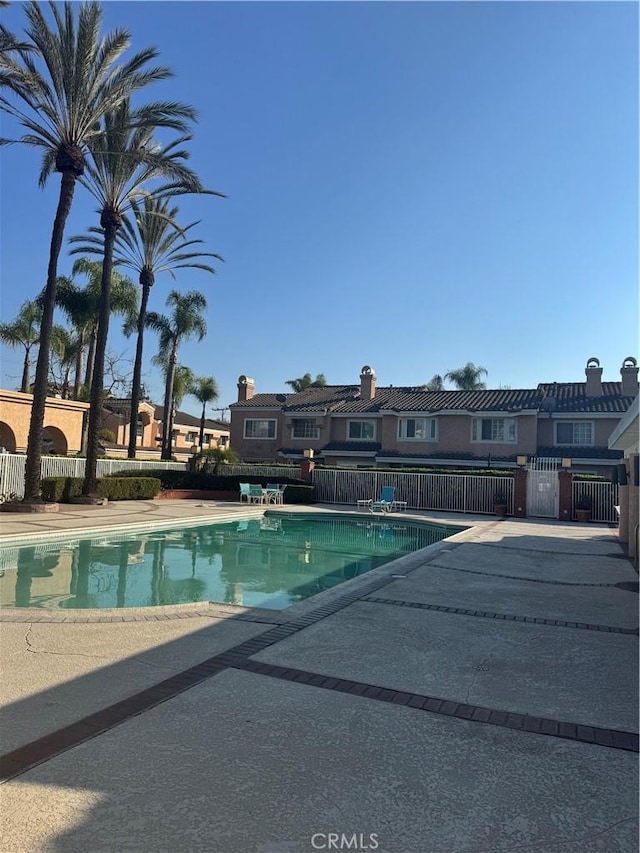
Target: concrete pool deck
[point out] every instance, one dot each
(479, 696)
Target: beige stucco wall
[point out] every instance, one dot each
(63, 415)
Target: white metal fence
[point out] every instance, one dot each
(602, 496)
(12, 469)
(454, 492)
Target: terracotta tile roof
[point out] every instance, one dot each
(580, 452)
(352, 446)
(345, 399)
(185, 419)
(571, 397)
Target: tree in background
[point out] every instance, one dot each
(436, 383)
(80, 305)
(24, 332)
(150, 242)
(304, 382)
(185, 321)
(205, 390)
(58, 85)
(467, 378)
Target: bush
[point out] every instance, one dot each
(294, 494)
(107, 435)
(63, 489)
(207, 482)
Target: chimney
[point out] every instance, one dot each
(629, 374)
(367, 383)
(245, 388)
(594, 378)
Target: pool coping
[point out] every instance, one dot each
(221, 610)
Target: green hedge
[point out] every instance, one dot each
(63, 489)
(295, 494)
(208, 482)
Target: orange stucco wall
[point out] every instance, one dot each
(62, 421)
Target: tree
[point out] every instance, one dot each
(205, 390)
(122, 161)
(64, 345)
(304, 382)
(149, 242)
(467, 378)
(58, 85)
(184, 322)
(80, 304)
(24, 331)
(436, 383)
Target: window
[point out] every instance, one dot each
(139, 429)
(259, 428)
(222, 440)
(418, 429)
(191, 437)
(499, 430)
(577, 432)
(361, 430)
(304, 428)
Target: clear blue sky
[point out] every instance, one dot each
(410, 185)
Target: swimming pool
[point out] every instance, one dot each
(272, 561)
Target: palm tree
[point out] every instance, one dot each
(436, 383)
(123, 159)
(467, 378)
(58, 86)
(24, 331)
(205, 390)
(80, 304)
(150, 242)
(304, 382)
(184, 322)
(64, 347)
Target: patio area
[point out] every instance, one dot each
(480, 695)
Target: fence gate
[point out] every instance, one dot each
(542, 487)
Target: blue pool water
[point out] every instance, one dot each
(271, 562)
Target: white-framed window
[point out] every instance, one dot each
(259, 428)
(497, 430)
(304, 428)
(418, 429)
(222, 440)
(574, 432)
(190, 438)
(361, 430)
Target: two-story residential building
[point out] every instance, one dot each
(364, 425)
(186, 428)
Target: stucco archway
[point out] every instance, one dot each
(7, 438)
(54, 441)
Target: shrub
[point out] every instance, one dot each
(63, 489)
(107, 435)
(295, 494)
(207, 482)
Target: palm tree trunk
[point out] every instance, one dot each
(201, 441)
(137, 375)
(95, 410)
(36, 425)
(78, 367)
(168, 404)
(26, 370)
(91, 357)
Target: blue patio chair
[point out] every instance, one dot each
(275, 493)
(245, 492)
(385, 501)
(256, 494)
